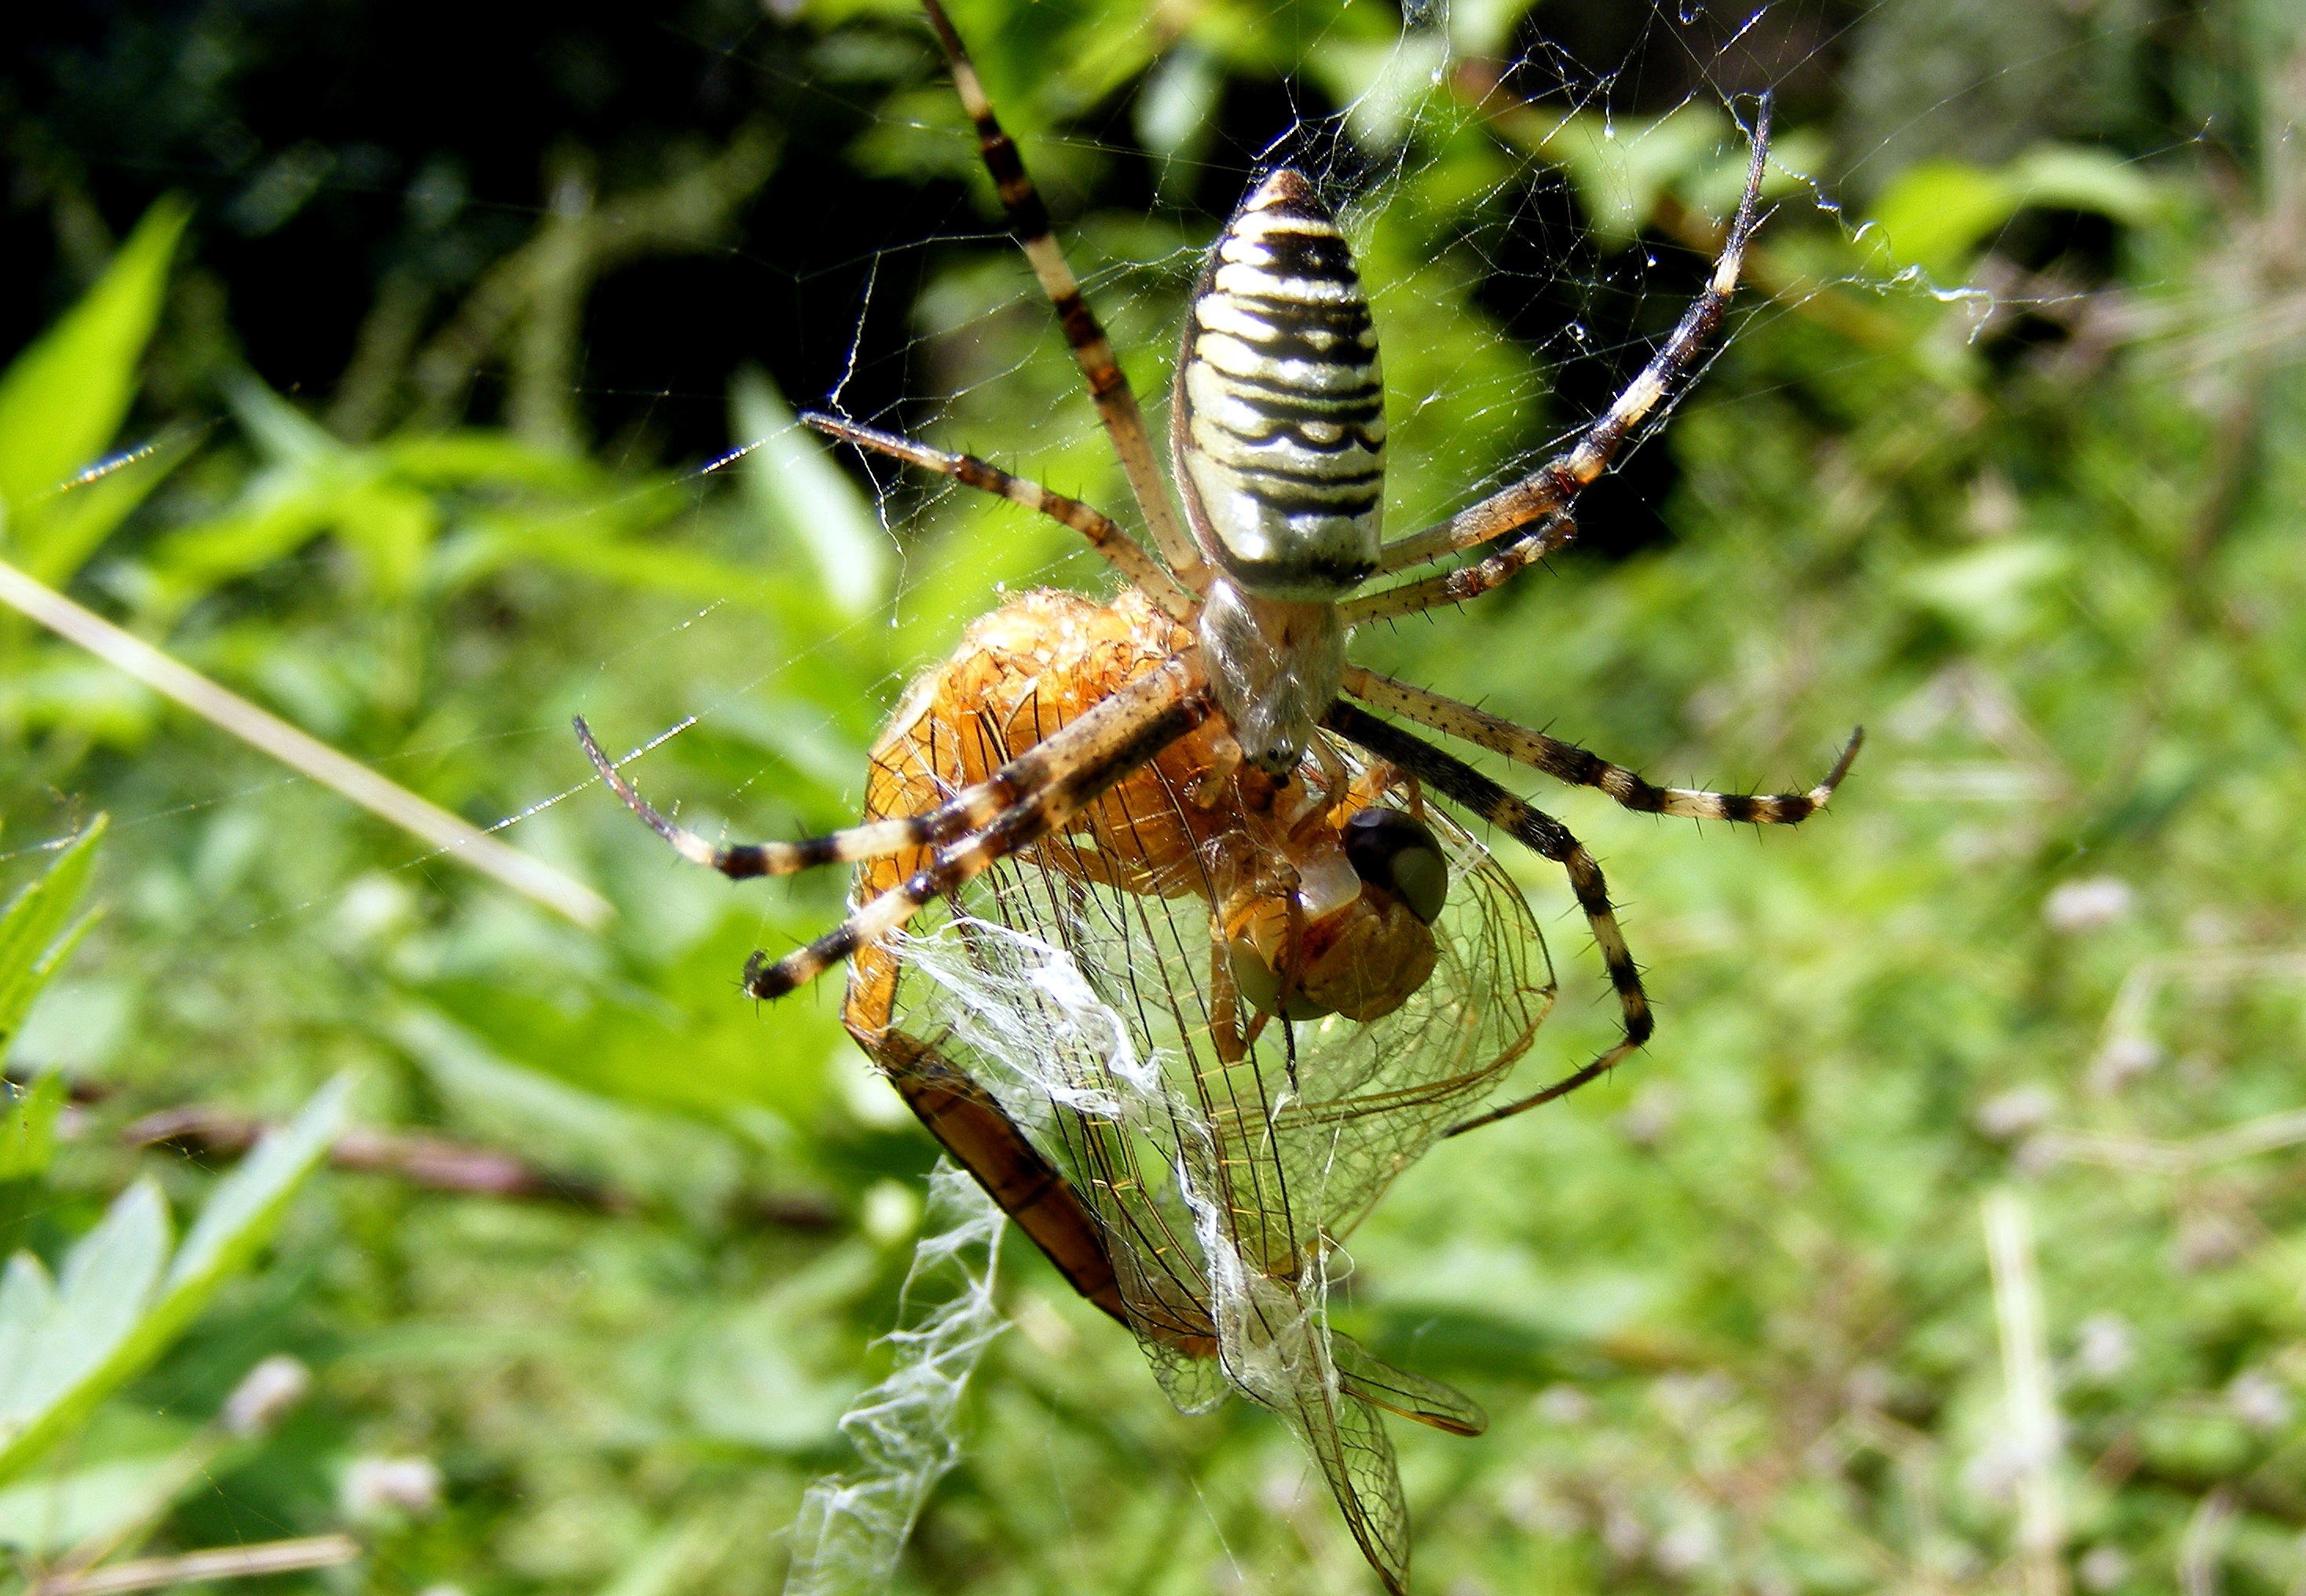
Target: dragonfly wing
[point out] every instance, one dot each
(1278, 1353)
(1205, 1163)
(1347, 1440)
(1363, 1374)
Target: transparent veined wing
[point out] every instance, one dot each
(1072, 1027)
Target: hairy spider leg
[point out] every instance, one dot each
(1124, 553)
(1108, 387)
(1541, 833)
(1053, 780)
(1577, 767)
(1023, 801)
(966, 812)
(1514, 555)
(1553, 485)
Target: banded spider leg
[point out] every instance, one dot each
(1031, 796)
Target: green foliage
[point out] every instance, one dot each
(62, 400)
(2024, 505)
(27, 1135)
(37, 932)
(1934, 216)
(68, 1342)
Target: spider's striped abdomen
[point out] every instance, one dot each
(1280, 413)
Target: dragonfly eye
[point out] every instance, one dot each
(1391, 852)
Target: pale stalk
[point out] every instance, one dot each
(455, 837)
(2029, 1392)
(227, 1562)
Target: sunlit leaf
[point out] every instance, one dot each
(71, 525)
(64, 398)
(37, 932)
(45, 1516)
(798, 490)
(28, 1126)
(120, 1300)
(1937, 214)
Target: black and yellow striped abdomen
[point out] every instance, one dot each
(1280, 420)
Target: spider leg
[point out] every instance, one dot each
(1553, 485)
(1125, 553)
(1543, 834)
(1044, 787)
(967, 810)
(952, 867)
(1515, 555)
(1028, 219)
(1567, 762)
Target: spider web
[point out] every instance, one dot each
(1494, 186)
(1543, 256)
(852, 1527)
(1504, 199)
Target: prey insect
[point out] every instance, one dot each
(1156, 926)
(1095, 1025)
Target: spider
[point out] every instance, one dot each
(1203, 739)
(1238, 614)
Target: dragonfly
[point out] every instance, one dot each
(1093, 1027)
(1188, 1041)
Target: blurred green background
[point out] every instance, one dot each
(416, 328)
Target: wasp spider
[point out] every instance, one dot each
(1234, 620)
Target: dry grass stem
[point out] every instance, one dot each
(2029, 1398)
(455, 837)
(231, 1562)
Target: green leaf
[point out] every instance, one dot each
(28, 1126)
(800, 492)
(51, 1516)
(474, 458)
(37, 932)
(71, 1331)
(591, 547)
(65, 1347)
(1384, 83)
(242, 1213)
(27, 1300)
(1989, 592)
(1939, 213)
(315, 483)
(64, 398)
(1176, 113)
(568, 1127)
(60, 685)
(284, 434)
(1619, 168)
(72, 525)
